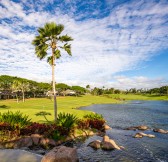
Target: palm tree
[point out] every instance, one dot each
(49, 38)
(20, 85)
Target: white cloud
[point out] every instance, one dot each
(132, 33)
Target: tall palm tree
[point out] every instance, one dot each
(49, 38)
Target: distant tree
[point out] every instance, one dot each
(48, 38)
(88, 86)
(117, 91)
(78, 89)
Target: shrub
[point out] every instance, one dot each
(83, 124)
(67, 121)
(95, 121)
(97, 124)
(42, 129)
(94, 116)
(15, 119)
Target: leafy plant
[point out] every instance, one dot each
(66, 121)
(16, 119)
(83, 124)
(44, 114)
(97, 124)
(38, 128)
(94, 116)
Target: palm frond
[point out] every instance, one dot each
(57, 54)
(67, 48)
(65, 38)
(50, 60)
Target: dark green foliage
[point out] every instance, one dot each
(16, 119)
(94, 116)
(66, 121)
(43, 113)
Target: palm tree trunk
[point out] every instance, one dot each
(53, 84)
(23, 95)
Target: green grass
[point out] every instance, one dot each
(137, 97)
(65, 104)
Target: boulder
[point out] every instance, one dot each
(138, 135)
(95, 144)
(106, 127)
(47, 141)
(105, 139)
(160, 131)
(61, 154)
(36, 138)
(140, 127)
(141, 134)
(23, 142)
(109, 144)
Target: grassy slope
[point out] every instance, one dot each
(138, 97)
(65, 104)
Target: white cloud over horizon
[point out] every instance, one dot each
(132, 33)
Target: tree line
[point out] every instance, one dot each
(21, 88)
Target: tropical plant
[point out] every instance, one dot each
(16, 119)
(44, 114)
(94, 116)
(67, 121)
(49, 38)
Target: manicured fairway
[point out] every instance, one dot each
(65, 104)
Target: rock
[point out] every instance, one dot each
(91, 133)
(36, 138)
(151, 136)
(51, 142)
(47, 141)
(141, 134)
(9, 145)
(95, 144)
(131, 128)
(160, 131)
(114, 144)
(61, 154)
(109, 144)
(23, 142)
(138, 135)
(122, 147)
(105, 139)
(1, 146)
(142, 127)
(106, 127)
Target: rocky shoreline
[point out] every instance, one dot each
(44, 147)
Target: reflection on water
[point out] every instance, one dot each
(151, 113)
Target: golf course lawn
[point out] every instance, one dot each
(67, 104)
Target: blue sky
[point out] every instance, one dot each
(121, 44)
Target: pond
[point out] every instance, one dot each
(119, 116)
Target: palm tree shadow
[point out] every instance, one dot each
(4, 107)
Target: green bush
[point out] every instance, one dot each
(67, 121)
(94, 116)
(16, 119)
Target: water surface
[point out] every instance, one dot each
(119, 116)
